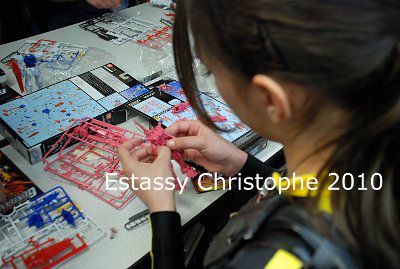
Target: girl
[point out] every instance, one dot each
(321, 77)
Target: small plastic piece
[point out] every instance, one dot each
(113, 233)
(68, 217)
(137, 220)
(218, 118)
(158, 137)
(36, 220)
(32, 70)
(17, 72)
(181, 107)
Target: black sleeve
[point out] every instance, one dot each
(167, 246)
(254, 166)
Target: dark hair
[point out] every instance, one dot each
(343, 51)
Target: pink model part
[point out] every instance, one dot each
(86, 152)
(156, 37)
(218, 118)
(158, 137)
(180, 107)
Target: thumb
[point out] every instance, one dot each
(163, 155)
(188, 142)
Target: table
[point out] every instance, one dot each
(128, 246)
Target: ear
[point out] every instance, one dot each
(274, 98)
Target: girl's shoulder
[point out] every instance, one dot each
(274, 233)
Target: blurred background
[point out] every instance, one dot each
(23, 18)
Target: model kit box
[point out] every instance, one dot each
(15, 187)
(34, 122)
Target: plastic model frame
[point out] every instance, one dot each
(54, 55)
(137, 220)
(117, 29)
(45, 232)
(156, 37)
(64, 56)
(50, 54)
(43, 45)
(93, 155)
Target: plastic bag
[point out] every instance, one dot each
(152, 59)
(94, 57)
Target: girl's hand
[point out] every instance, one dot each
(143, 165)
(206, 148)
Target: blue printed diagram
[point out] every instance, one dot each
(152, 106)
(168, 118)
(174, 88)
(47, 112)
(112, 101)
(134, 92)
(233, 127)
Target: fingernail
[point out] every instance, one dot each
(170, 143)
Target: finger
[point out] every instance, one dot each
(188, 142)
(149, 159)
(129, 146)
(132, 144)
(182, 127)
(163, 155)
(124, 153)
(143, 153)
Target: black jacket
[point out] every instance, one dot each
(270, 234)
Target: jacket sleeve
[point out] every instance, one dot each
(254, 166)
(167, 246)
